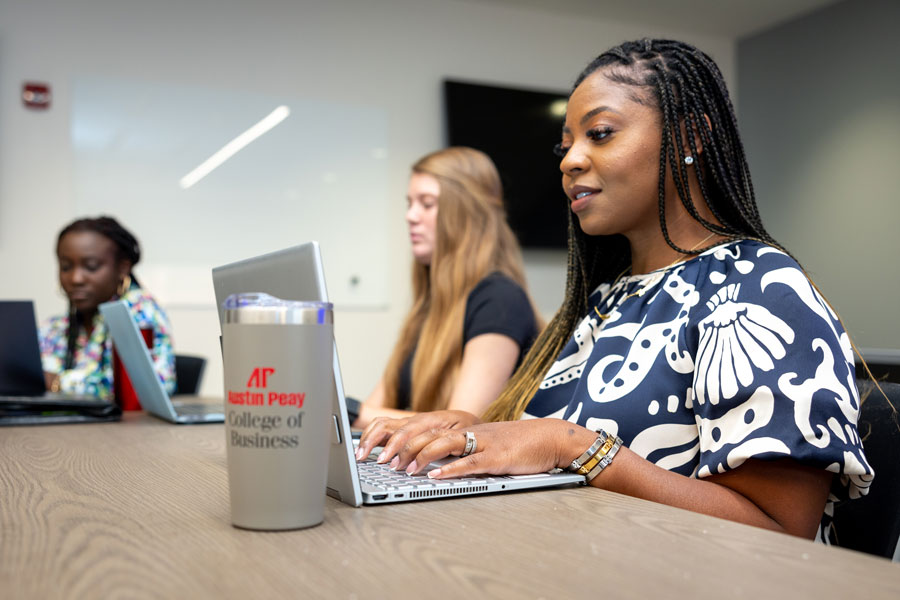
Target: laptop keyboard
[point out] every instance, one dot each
(381, 476)
(195, 409)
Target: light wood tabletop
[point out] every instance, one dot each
(139, 509)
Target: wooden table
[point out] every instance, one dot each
(139, 509)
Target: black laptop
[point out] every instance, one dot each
(23, 398)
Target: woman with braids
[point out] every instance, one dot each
(692, 362)
(96, 258)
(470, 309)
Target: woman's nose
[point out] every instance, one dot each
(574, 161)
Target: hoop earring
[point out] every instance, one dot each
(689, 160)
(124, 286)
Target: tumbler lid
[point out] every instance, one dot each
(261, 308)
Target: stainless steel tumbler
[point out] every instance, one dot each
(279, 384)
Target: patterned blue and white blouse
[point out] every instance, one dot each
(726, 356)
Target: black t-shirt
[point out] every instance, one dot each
(497, 304)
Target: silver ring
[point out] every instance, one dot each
(471, 444)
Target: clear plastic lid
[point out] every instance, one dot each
(259, 308)
(260, 299)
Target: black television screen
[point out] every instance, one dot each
(517, 128)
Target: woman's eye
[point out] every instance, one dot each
(560, 150)
(599, 134)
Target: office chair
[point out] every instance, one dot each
(188, 373)
(872, 523)
(882, 362)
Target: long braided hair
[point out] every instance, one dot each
(127, 248)
(689, 91)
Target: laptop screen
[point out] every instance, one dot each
(21, 373)
(291, 274)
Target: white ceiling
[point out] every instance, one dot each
(729, 18)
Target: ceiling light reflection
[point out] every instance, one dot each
(234, 146)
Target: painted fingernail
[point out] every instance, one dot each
(359, 454)
(412, 468)
(394, 462)
(382, 458)
(434, 473)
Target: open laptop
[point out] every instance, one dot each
(139, 364)
(23, 397)
(297, 273)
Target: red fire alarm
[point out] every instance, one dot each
(36, 95)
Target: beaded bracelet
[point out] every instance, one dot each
(604, 462)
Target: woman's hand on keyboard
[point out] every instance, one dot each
(394, 434)
(505, 448)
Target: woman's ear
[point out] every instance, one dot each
(123, 268)
(698, 140)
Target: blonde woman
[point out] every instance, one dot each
(471, 320)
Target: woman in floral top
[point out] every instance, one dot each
(96, 258)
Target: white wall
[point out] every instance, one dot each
(391, 55)
(820, 106)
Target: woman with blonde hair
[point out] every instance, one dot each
(471, 319)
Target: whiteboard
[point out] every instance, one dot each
(321, 174)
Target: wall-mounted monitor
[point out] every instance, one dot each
(517, 128)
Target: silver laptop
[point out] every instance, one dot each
(297, 273)
(139, 364)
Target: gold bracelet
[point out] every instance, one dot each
(596, 458)
(605, 461)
